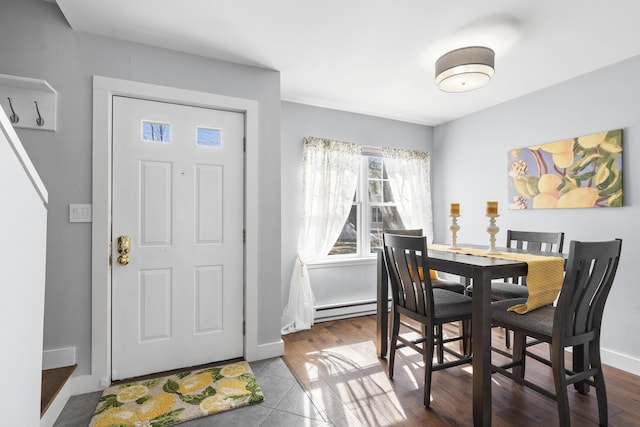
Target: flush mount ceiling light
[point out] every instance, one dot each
(465, 69)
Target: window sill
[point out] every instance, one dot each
(344, 262)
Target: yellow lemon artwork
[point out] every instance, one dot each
(176, 398)
(580, 172)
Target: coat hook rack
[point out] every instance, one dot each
(13, 117)
(18, 95)
(39, 120)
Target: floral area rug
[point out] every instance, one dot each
(176, 398)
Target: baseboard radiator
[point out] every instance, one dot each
(337, 311)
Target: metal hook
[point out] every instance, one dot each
(13, 117)
(39, 120)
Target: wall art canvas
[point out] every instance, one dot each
(580, 172)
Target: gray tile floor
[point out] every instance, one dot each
(285, 404)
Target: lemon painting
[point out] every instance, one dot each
(580, 172)
(170, 400)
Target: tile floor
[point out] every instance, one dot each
(285, 404)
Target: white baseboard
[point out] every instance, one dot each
(87, 384)
(58, 357)
(620, 361)
(354, 309)
(55, 408)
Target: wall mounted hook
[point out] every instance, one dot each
(39, 120)
(14, 117)
(23, 93)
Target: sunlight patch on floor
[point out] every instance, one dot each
(345, 380)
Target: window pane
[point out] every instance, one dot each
(387, 196)
(348, 240)
(383, 218)
(375, 167)
(377, 226)
(375, 191)
(156, 132)
(208, 137)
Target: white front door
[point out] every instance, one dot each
(178, 195)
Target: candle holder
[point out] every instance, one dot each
(492, 229)
(454, 231)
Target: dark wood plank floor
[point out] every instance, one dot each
(52, 382)
(336, 364)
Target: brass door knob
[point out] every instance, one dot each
(124, 247)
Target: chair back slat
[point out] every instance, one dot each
(404, 255)
(589, 276)
(535, 240)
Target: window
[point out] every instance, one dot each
(206, 137)
(156, 132)
(373, 211)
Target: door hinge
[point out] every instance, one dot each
(244, 236)
(244, 327)
(244, 144)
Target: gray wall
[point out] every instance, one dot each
(470, 167)
(333, 285)
(37, 42)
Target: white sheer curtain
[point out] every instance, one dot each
(409, 174)
(330, 178)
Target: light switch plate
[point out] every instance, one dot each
(79, 212)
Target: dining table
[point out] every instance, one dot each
(479, 271)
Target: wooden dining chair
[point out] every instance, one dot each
(436, 283)
(428, 306)
(574, 322)
(516, 287)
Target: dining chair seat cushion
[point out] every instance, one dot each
(505, 290)
(449, 285)
(450, 304)
(539, 320)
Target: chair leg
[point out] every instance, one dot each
(439, 339)
(465, 333)
(598, 379)
(424, 344)
(519, 358)
(428, 366)
(560, 381)
(395, 329)
(580, 363)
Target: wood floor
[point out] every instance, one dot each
(52, 382)
(336, 364)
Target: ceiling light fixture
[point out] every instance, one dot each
(465, 69)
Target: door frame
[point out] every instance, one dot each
(104, 88)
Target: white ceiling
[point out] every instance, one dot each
(377, 56)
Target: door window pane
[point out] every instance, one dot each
(156, 132)
(208, 137)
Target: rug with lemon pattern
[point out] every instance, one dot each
(173, 399)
